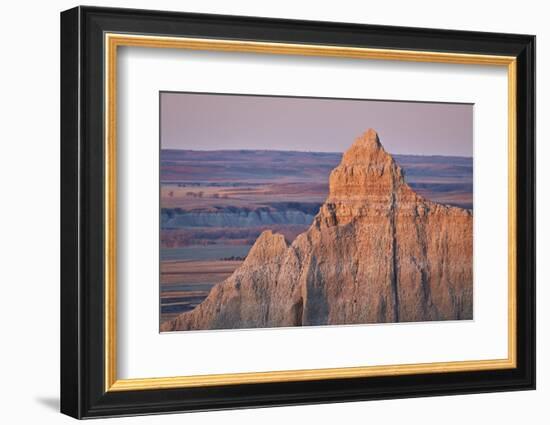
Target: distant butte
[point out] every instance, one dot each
(376, 252)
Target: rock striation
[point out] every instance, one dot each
(238, 218)
(376, 252)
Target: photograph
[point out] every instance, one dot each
(280, 211)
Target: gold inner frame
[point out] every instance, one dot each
(113, 41)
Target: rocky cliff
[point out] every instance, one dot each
(238, 218)
(376, 252)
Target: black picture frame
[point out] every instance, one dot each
(83, 392)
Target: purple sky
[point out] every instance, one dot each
(210, 122)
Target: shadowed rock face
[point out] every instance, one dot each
(376, 252)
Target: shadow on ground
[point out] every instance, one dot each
(49, 402)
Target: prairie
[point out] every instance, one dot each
(184, 284)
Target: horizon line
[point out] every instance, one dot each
(301, 151)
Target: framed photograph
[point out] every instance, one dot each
(261, 212)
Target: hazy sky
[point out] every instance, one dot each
(209, 122)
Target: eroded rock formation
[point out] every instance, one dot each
(376, 252)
